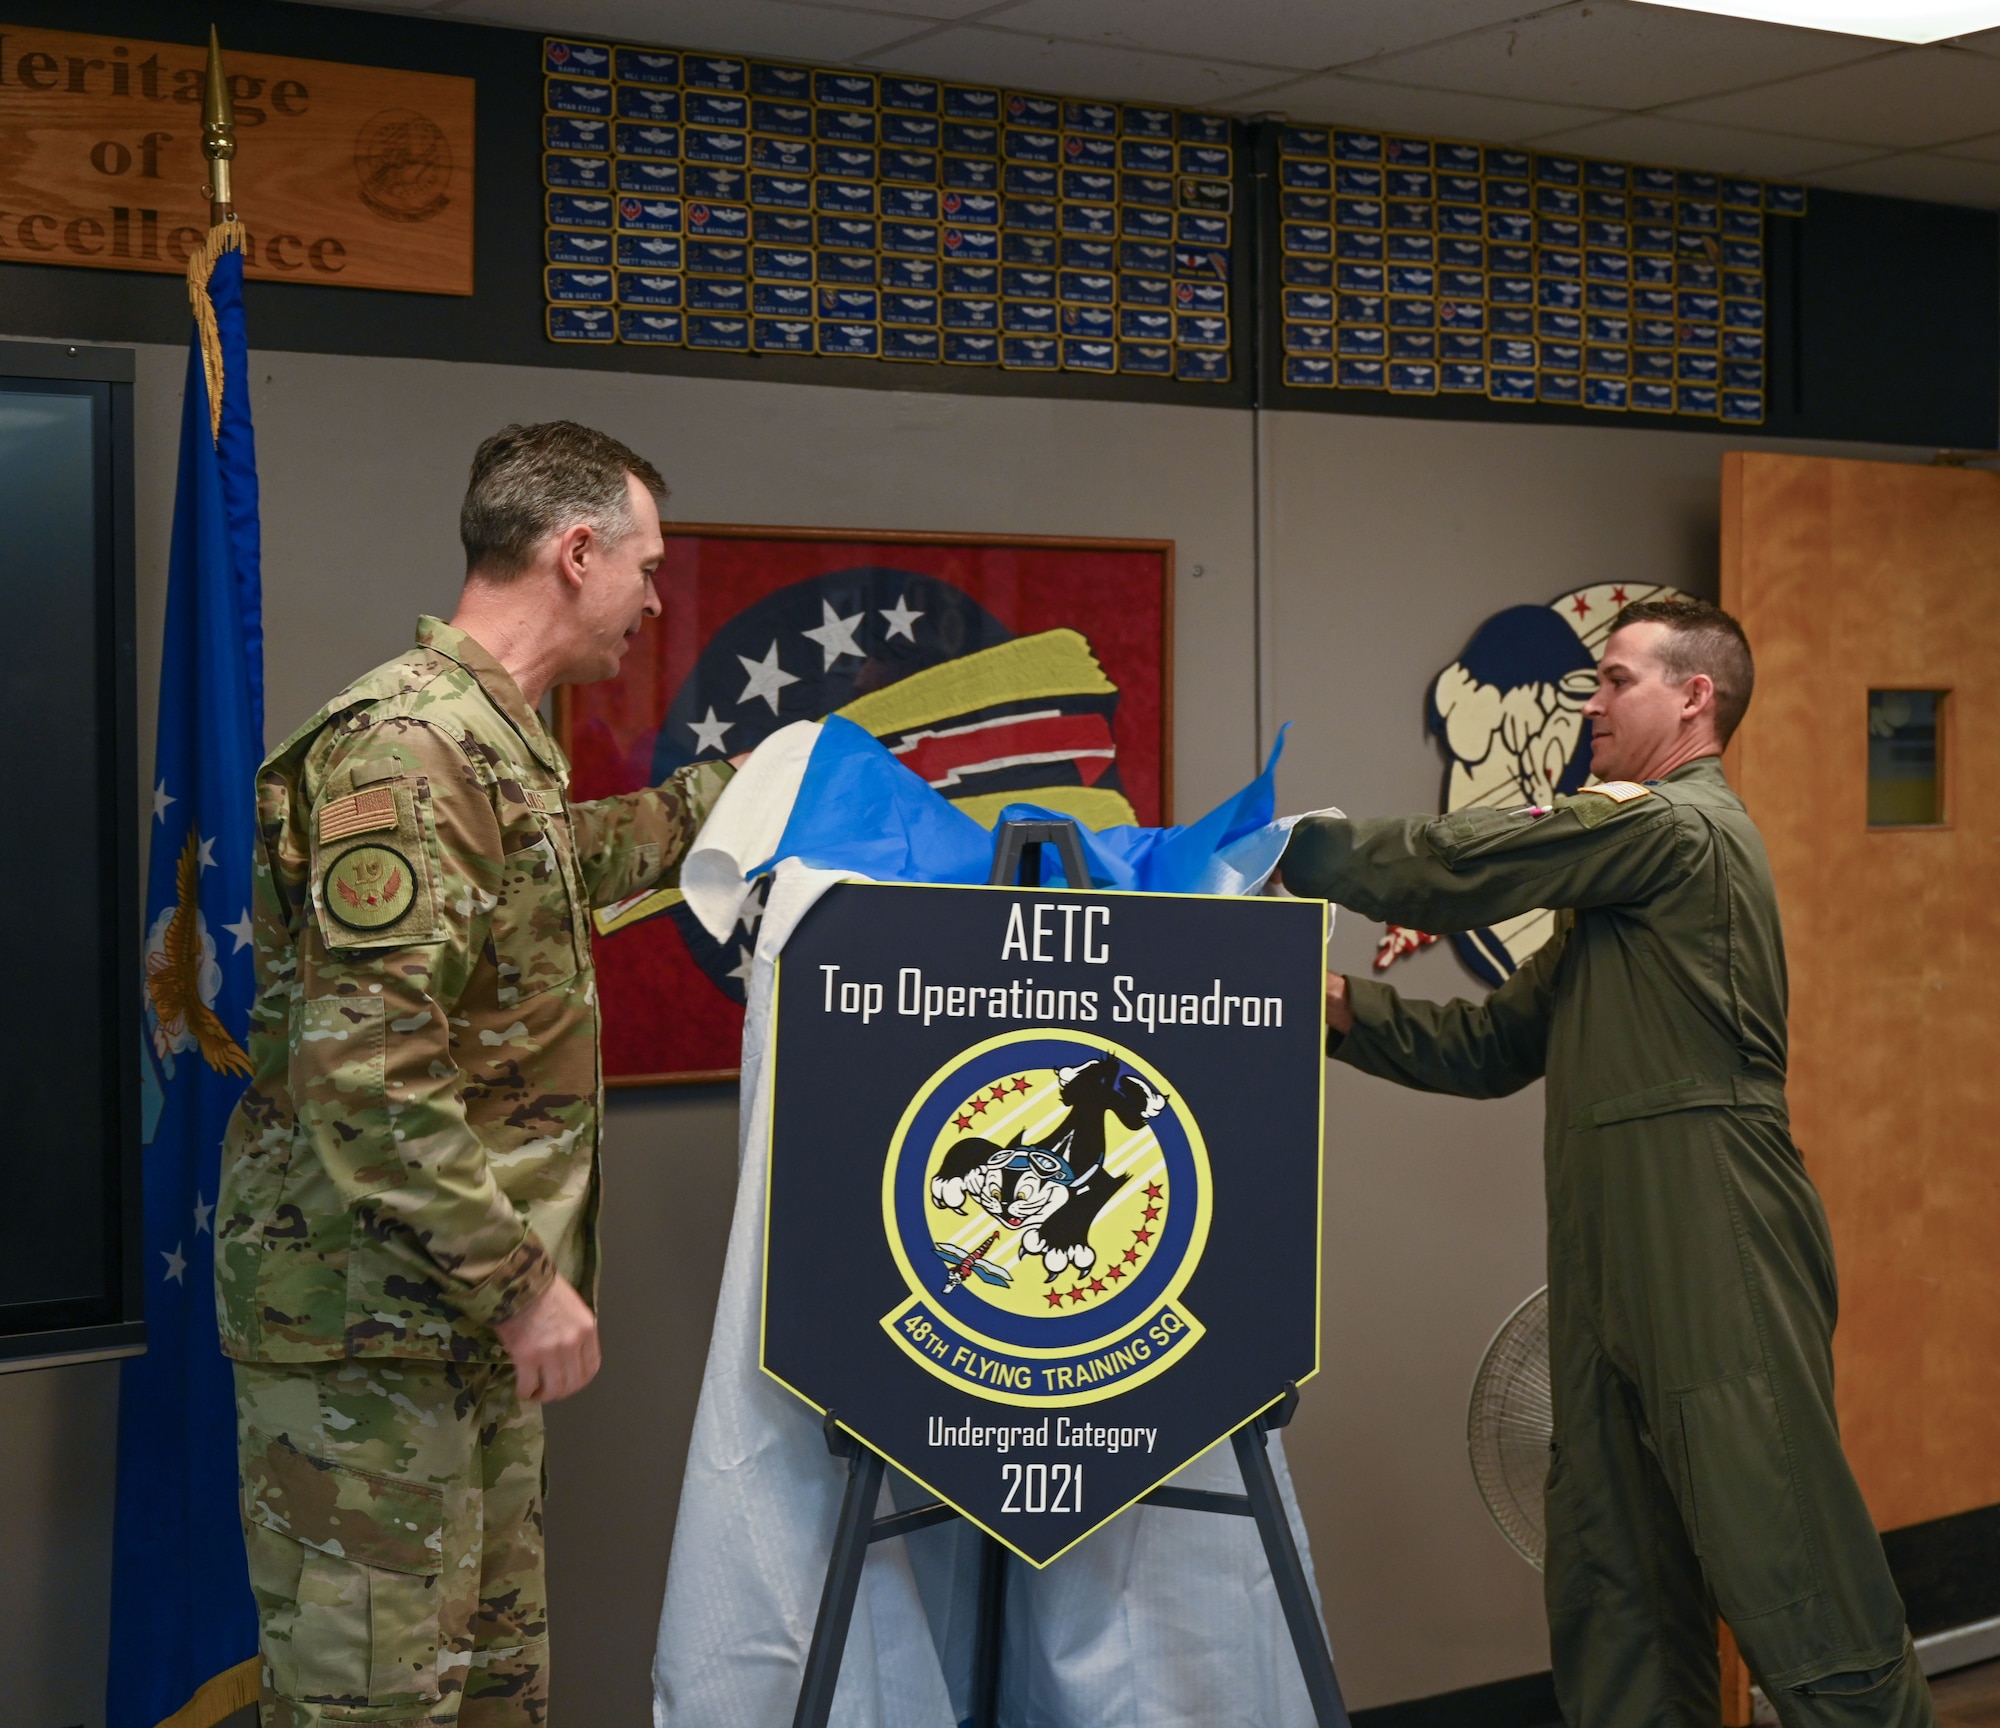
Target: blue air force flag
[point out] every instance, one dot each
(183, 1628)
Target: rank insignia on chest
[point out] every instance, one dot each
(1619, 791)
(359, 813)
(369, 887)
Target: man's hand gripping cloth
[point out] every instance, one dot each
(1162, 1619)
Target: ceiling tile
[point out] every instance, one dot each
(1939, 179)
(947, 11)
(1905, 99)
(1613, 55)
(1985, 149)
(1041, 63)
(382, 5)
(1721, 149)
(1305, 34)
(1338, 100)
(776, 27)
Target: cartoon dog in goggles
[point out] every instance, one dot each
(1052, 1192)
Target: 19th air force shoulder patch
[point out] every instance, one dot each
(1044, 1185)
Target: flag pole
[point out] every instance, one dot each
(225, 232)
(218, 137)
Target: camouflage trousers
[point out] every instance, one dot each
(393, 1515)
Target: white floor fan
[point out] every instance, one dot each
(1508, 1425)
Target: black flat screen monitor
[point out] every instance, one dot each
(69, 1156)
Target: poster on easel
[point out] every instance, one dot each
(1045, 1186)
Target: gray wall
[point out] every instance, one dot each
(1384, 543)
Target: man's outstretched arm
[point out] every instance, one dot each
(1470, 1049)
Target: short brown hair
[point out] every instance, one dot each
(1705, 639)
(529, 482)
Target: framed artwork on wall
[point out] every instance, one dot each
(1000, 668)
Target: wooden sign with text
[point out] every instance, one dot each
(350, 176)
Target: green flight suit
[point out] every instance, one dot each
(1696, 1463)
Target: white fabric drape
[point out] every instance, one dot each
(1162, 1619)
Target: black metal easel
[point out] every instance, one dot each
(1017, 858)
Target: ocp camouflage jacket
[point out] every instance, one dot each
(416, 1153)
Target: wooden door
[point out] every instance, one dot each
(1851, 577)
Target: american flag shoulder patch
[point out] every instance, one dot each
(358, 813)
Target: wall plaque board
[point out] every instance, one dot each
(355, 176)
(1044, 1190)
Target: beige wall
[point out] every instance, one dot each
(1385, 543)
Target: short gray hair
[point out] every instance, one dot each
(529, 482)
(1705, 639)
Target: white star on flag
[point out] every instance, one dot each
(708, 732)
(203, 1211)
(767, 678)
(207, 854)
(161, 800)
(753, 910)
(901, 618)
(176, 1263)
(835, 634)
(742, 967)
(242, 930)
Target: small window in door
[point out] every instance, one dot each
(1905, 758)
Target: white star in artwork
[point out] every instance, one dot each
(708, 733)
(742, 967)
(901, 618)
(176, 1263)
(752, 910)
(835, 634)
(242, 930)
(203, 1211)
(206, 856)
(767, 678)
(161, 800)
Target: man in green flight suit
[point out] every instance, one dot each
(406, 1238)
(1696, 1462)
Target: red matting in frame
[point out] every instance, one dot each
(665, 1022)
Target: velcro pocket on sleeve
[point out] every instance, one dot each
(375, 867)
(332, 1507)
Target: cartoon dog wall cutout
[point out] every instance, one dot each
(1508, 713)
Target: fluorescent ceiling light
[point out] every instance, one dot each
(1891, 20)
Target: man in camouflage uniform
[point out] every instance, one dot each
(1696, 1462)
(406, 1240)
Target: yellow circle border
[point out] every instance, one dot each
(1197, 1150)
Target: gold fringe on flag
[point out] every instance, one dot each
(232, 1690)
(223, 237)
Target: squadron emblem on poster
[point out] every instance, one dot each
(1046, 1199)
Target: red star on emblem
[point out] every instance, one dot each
(962, 1123)
(1114, 1273)
(1618, 596)
(1021, 1085)
(1131, 1254)
(1142, 1235)
(1076, 1295)
(1097, 1283)
(979, 1106)
(1581, 607)
(1055, 1298)
(1152, 1212)
(1152, 1190)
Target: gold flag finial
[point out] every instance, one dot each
(218, 135)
